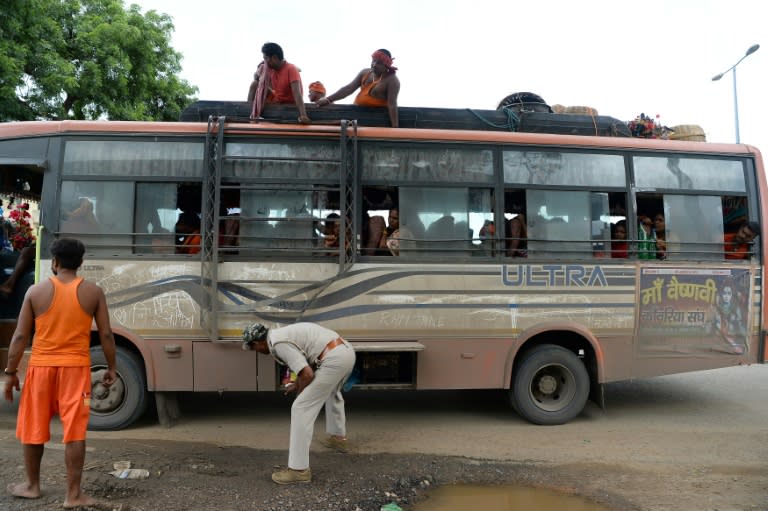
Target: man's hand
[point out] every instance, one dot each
(11, 383)
(304, 378)
(109, 377)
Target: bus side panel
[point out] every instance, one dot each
(696, 318)
(224, 366)
(171, 366)
(462, 364)
(617, 350)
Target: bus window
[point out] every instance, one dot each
(272, 161)
(281, 221)
(695, 225)
(133, 158)
(438, 165)
(563, 168)
(684, 227)
(437, 221)
(99, 213)
(559, 223)
(689, 173)
(580, 225)
(156, 216)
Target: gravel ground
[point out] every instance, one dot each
(192, 476)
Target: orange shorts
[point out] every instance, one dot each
(48, 391)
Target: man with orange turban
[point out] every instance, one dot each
(378, 84)
(316, 91)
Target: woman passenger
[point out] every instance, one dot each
(619, 246)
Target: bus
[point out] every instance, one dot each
(450, 259)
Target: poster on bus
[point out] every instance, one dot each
(690, 311)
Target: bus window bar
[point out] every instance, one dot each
(281, 159)
(234, 126)
(294, 186)
(314, 244)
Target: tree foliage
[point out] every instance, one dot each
(88, 59)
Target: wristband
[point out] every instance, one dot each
(10, 373)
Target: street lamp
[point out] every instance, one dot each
(752, 49)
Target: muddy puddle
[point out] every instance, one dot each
(503, 498)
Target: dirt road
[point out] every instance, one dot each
(687, 442)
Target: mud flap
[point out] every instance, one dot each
(597, 394)
(167, 406)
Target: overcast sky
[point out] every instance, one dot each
(622, 58)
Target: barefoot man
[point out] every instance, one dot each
(58, 378)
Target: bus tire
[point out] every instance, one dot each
(124, 401)
(550, 386)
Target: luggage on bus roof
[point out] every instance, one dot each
(419, 117)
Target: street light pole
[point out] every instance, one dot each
(752, 49)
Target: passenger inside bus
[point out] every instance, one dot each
(379, 233)
(619, 246)
(516, 228)
(371, 229)
(517, 236)
(81, 218)
(660, 228)
(229, 230)
(738, 245)
(646, 245)
(487, 236)
(331, 232)
(188, 233)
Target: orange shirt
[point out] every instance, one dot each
(735, 250)
(280, 83)
(191, 244)
(364, 97)
(63, 332)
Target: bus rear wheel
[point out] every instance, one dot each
(121, 404)
(550, 386)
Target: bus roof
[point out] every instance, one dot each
(27, 129)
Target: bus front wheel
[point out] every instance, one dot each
(121, 404)
(550, 386)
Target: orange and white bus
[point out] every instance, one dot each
(507, 270)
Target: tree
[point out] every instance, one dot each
(88, 59)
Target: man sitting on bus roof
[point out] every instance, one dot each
(738, 245)
(279, 82)
(379, 86)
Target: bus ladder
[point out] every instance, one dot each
(214, 158)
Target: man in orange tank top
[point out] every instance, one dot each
(58, 378)
(378, 84)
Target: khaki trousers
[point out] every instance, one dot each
(325, 389)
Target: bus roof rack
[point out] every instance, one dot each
(504, 119)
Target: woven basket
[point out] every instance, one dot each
(584, 110)
(690, 132)
(558, 108)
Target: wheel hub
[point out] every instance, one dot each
(547, 384)
(105, 399)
